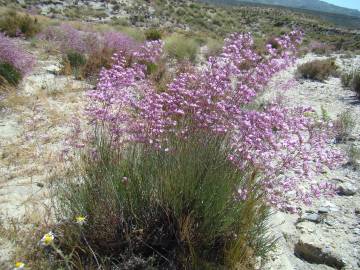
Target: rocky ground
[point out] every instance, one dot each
(327, 234)
(34, 123)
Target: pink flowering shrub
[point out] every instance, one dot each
(69, 38)
(12, 54)
(286, 146)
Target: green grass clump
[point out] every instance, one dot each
(73, 63)
(181, 48)
(355, 82)
(344, 124)
(352, 81)
(153, 34)
(76, 59)
(318, 70)
(346, 79)
(10, 73)
(159, 209)
(13, 24)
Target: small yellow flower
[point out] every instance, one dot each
(80, 220)
(47, 239)
(19, 265)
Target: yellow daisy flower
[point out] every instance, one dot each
(80, 220)
(47, 239)
(19, 265)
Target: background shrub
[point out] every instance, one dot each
(355, 82)
(344, 124)
(352, 80)
(10, 73)
(346, 79)
(318, 70)
(153, 34)
(15, 24)
(181, 48)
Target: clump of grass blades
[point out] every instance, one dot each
(73, 63)
(172, 209)
(318, 70)
(352, 80)
(153, 34)
(9, 74)
(181, 48)
(355, 83)
(344, 124)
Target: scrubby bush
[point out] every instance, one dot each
(181, 48)
(15, 62)
(10, 73)
(352, 80)
(318, 70)
(344, 124)
(353, 154)
(153, 34)
(14, 25)
(355, 82)
(346, 79)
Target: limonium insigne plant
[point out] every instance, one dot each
(12, 54)
(287, 145)
(183, 178)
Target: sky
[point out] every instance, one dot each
(354, 4)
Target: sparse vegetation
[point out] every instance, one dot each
(318, 70)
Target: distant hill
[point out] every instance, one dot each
(315, 5)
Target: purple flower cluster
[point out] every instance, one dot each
(69, 38)
(287, 145)
(11, 53)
